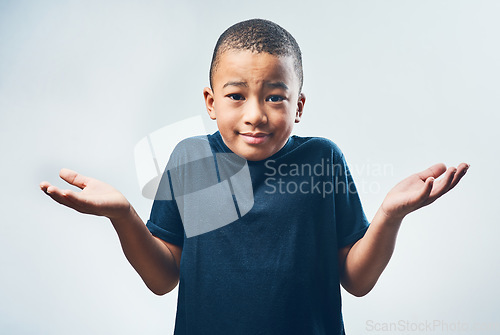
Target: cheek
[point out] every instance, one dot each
(226, 122)
(284, 120)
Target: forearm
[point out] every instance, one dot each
(370, 255)
(151, 258)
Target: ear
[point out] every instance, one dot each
(300, 107)
(208, 94)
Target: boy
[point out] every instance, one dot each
(277, 268)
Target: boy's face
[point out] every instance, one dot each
(256, 101)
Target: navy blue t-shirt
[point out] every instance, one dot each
(274, 268)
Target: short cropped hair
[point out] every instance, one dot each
(258, 35)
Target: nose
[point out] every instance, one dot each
(255, 114)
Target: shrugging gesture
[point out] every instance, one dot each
(96, 197)
(362, 263)
(156, 261)
(421, 189)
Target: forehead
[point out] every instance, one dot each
(254, 68)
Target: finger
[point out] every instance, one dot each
(434, 171)
(77, 198)
(74, 178)
(51, 189)
(44, 185)
(426, 190)
(60, 196)
(443, 185)
(461, 171)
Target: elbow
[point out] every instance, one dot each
(358, 290)
(159, 292)
(162, 289)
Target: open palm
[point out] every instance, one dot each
(96, 197)
(421, 189)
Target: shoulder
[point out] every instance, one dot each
(191, 149)
(200, 140)
(317, 144)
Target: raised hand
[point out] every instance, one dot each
(421, 189)
(96, 197)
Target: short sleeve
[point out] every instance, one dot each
(165, 221)
(351, 222)
(187, 171)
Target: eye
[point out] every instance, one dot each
(236, 96)
(275, 98)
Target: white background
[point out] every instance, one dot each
(396, 84)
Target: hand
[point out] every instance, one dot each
(421, 189)
(96, 197)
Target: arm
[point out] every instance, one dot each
(362, 263)
(156, 261)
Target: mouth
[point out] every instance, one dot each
(255, 138)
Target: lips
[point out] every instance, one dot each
(254, 138)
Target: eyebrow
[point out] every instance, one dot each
(235, 83)
(277, 84)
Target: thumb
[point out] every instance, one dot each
(74, 178)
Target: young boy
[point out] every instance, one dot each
(277, 267)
